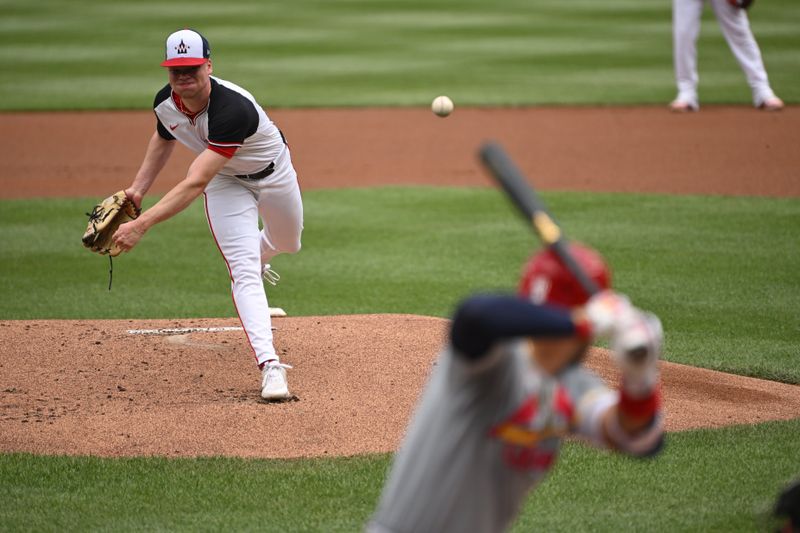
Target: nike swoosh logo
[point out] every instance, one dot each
(172, 127)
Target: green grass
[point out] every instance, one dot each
(707, 480)
(722, 272)
(86, 54)
(723, 480)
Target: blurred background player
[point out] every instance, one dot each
(244, 171)
(735, 26)
(506, 391)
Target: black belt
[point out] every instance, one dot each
(267, 171)
(261, 174)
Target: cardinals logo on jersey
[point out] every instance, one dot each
(528, 447)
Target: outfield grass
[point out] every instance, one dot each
(722, 480)
(721, 272)
(105, 54)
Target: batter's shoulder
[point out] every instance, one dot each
(162, 95)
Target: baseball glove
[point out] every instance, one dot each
(104, 220)
(742, 4)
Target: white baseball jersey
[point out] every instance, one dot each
(232, 124)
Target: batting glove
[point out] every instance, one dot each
(605, 311)
(636, 343)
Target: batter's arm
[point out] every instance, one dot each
(158, 153)
(630, 419)
(202, 170)
(641, 435)
(609, 420)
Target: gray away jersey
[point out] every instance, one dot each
(482, 436)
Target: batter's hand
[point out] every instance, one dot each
(128, 235)
(636, 345)
(605, 310)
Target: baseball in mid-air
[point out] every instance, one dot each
(442, 106)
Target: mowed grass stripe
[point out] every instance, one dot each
(721, 480)
(721, 272)
(104, 54)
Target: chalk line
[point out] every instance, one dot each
(183, 331)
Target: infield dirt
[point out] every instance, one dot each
(89, 387)
(721, 150)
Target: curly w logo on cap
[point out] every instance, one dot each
(186, 48)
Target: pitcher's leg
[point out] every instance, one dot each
(736, 28)
(281, 208)
(686, 16)
(232, 212)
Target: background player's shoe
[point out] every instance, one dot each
(772, 104)
(273, 381)
(270, 276)
(682, 106)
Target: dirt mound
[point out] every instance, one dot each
(721, 150)
(90, 387)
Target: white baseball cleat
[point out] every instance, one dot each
(772, 104)
(682, 106)
(273, 381)
(269, 275)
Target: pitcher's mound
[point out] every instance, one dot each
(90, 387)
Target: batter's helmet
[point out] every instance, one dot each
(545, 279)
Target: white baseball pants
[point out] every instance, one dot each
(233, 207)
(736, 29)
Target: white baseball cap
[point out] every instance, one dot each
(186, 48)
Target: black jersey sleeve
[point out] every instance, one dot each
(163, 132)
(162, 95)
(232, 118)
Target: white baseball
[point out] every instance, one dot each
(442, 106)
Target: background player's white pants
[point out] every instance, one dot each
(736, 29)
(233, 207)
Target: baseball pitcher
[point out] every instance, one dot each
(244, 171)
(506, 391)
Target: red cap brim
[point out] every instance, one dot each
(184, 62)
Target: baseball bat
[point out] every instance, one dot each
(524, 196)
